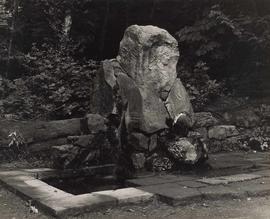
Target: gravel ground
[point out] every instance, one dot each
(12, 207)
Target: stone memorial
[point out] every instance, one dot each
(150, 99)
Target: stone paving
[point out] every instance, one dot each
(230, 175)
(229, 179)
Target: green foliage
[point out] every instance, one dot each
(56, 86)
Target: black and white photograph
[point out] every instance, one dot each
(133, 109)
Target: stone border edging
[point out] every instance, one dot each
(59, 203)
(172, 190)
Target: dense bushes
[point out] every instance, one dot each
(218, 48)
(39, 21)
(42, 76)
(55, 86)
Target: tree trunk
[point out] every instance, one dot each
(104, 28)
(12, 30)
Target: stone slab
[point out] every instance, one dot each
(258, 187)
(228, 160)
(177, 177)
(219, 192)
(228, 179)
(17, 178)
(221, 132)
(34, 172)
(77, 204)
(128, 195)
(173, 193)
(264, 173)
(192, 184)
(11, 173)
(30, 188)
(38, 170)
(146, 181)
(156, 180)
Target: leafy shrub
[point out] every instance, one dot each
(39, 21)
(219, 50)
(200, 87)
(56, 86)
(209, 39)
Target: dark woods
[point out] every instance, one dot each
(50, 49)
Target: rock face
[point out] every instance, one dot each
(83, 150)
(204, 119)
(40, 135)
(102, 98)
(95, 122)
(203, 132)
(246, 118)
(138, 141)
(81, 141)
(138, 160)
(145, 111)
(178, 102)
(222, 132)
(145, 73)
(148, 97)
(147, 92)
(149, 56)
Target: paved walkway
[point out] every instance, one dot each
(227, 175)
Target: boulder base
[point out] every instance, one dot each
(204, 119)
(187, 151)
(222, 132)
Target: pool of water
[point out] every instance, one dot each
(82, 185)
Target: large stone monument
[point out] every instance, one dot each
(154, 107)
